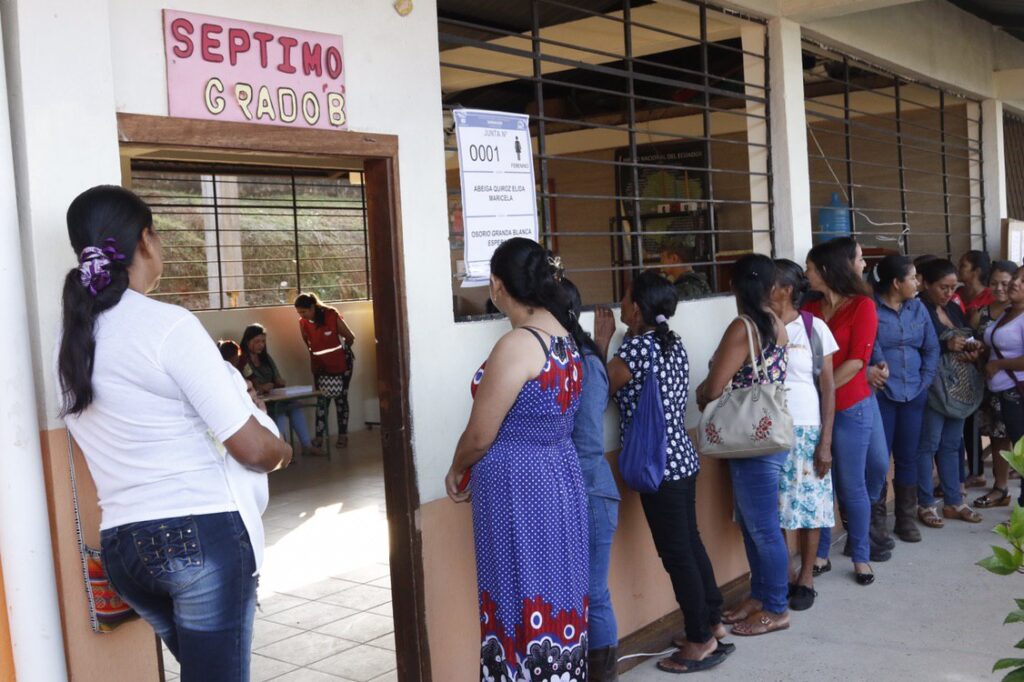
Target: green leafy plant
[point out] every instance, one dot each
(1006, 561)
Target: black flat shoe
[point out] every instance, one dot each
(865, 578)
(818, 570)
(802, 598)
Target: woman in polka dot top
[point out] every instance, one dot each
(671, 511)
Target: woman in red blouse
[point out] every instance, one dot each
(329, 341)
(834, 269)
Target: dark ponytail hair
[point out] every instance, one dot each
(1007, 266)
(583, 340)
(789, 274)
(834, 261)
(980, 260)
(109, 217)
(656, 296)
(889, 269)
(934, 270)
(311, 300)
(532, 276)
(753, 277)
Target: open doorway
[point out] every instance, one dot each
(262, 215)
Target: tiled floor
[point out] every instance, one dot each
(325, 590)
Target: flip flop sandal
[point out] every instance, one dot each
(768, 623)
(987, 500)
(691, 666)
(723, 647)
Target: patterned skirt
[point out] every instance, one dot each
(805, 501)
(331, 385)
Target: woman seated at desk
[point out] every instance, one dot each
(257, 366)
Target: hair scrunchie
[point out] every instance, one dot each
(94, 265)
(661, 319)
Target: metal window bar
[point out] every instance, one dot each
(164, 185)
(898, 136)
(636, 82)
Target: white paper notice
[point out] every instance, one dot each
(499, 199)
(1015, 246)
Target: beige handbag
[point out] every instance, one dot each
(748, 422)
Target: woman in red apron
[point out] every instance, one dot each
(329, 341)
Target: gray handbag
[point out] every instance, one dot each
(958, 388)
(748, 422)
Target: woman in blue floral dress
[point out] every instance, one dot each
(517, 463)
(755, 480)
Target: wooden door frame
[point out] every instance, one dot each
(379, 157)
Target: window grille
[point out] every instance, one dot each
(236, 237)
(649, 123)
(904, 157)
(1013, 141)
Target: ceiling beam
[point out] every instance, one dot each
(1009, 84)
(816, 10)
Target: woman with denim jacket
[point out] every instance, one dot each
(149, 400)
(602, 494)
(941, 435)
(910, 349)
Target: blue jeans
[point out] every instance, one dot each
(191, 578)
(293, 411)
(902, 422)
(604, 518)
(941, 437)
(860, 463)
(755, 486)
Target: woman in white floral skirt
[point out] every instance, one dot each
(805, 489)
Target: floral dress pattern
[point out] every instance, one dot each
(530, 531)
(805, 501)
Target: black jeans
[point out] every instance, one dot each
(672, 515)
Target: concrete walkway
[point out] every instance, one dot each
(931, 615)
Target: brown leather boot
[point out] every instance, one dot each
(879, 530)
(906, 510)
(602, 665)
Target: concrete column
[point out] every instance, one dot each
(30, 583)
(752, 38)
(790, 175)
(993, 173)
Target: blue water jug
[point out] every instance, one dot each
(834, 219)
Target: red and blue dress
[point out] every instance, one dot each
(530, 531)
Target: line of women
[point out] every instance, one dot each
(867, 375)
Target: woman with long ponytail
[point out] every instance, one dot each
(652, 351)
(755, 480)
(142, 390)
(602, 493)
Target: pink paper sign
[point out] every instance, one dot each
(231, 70)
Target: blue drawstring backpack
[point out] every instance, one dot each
(644, 448)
